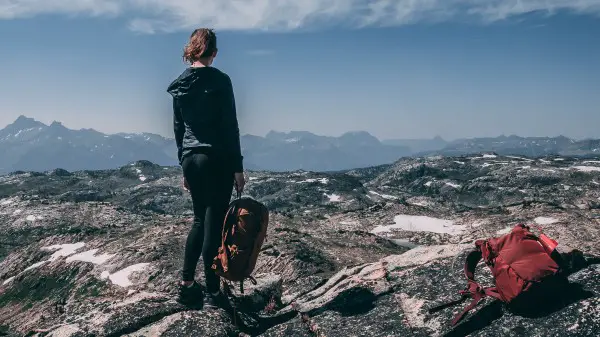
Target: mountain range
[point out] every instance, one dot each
(30, 145)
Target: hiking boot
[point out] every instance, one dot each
(190, 296)
(217, 300)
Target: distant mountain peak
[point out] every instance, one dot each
(24, 122)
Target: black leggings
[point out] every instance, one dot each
(210, 186)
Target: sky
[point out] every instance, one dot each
(397, 69)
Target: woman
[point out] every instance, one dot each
(208, 144)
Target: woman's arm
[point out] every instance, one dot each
(178, 128)
(232, 131)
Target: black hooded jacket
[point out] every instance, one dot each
(204, 115)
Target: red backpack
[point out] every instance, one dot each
(519, 262)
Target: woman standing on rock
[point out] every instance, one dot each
(208, 144)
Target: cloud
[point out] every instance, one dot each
(150, 16)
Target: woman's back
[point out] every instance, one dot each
(205, 115)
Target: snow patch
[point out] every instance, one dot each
(314, 180)
(17, 211)
(121, 277)
(453, 185)
(542, 220)
(90, 256)
(142, 178)
(429, 183)
(459, 162)
(519, 158)
(587, 168)
(8, 280)
(333, 197)
(418, 223)
(35, 265)
(422, 203)
(63, 250)
(384, 196)
(490, 156)
(33, 217)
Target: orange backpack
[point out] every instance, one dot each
(244, 231)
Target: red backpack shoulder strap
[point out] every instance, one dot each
(474, 290)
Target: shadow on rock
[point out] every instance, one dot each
(481, 319)
(542, 301)
(351, 302)
(355, 301)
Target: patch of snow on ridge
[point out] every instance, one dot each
(519, 158)
(33, 217)
(333, 197)
(63, 250)
(491, 156)
(384, 196)
(90, 256)
(587, 168)
(35, 265)
(314, 180)
(121, 277)
(418, 223)
(453, 185)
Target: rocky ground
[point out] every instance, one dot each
(358, 253)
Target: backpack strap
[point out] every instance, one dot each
(474, 290)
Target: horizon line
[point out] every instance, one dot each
(300, 131)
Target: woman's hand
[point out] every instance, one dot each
(186, 186)
(240, 181)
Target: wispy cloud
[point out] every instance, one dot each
(149, 16)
